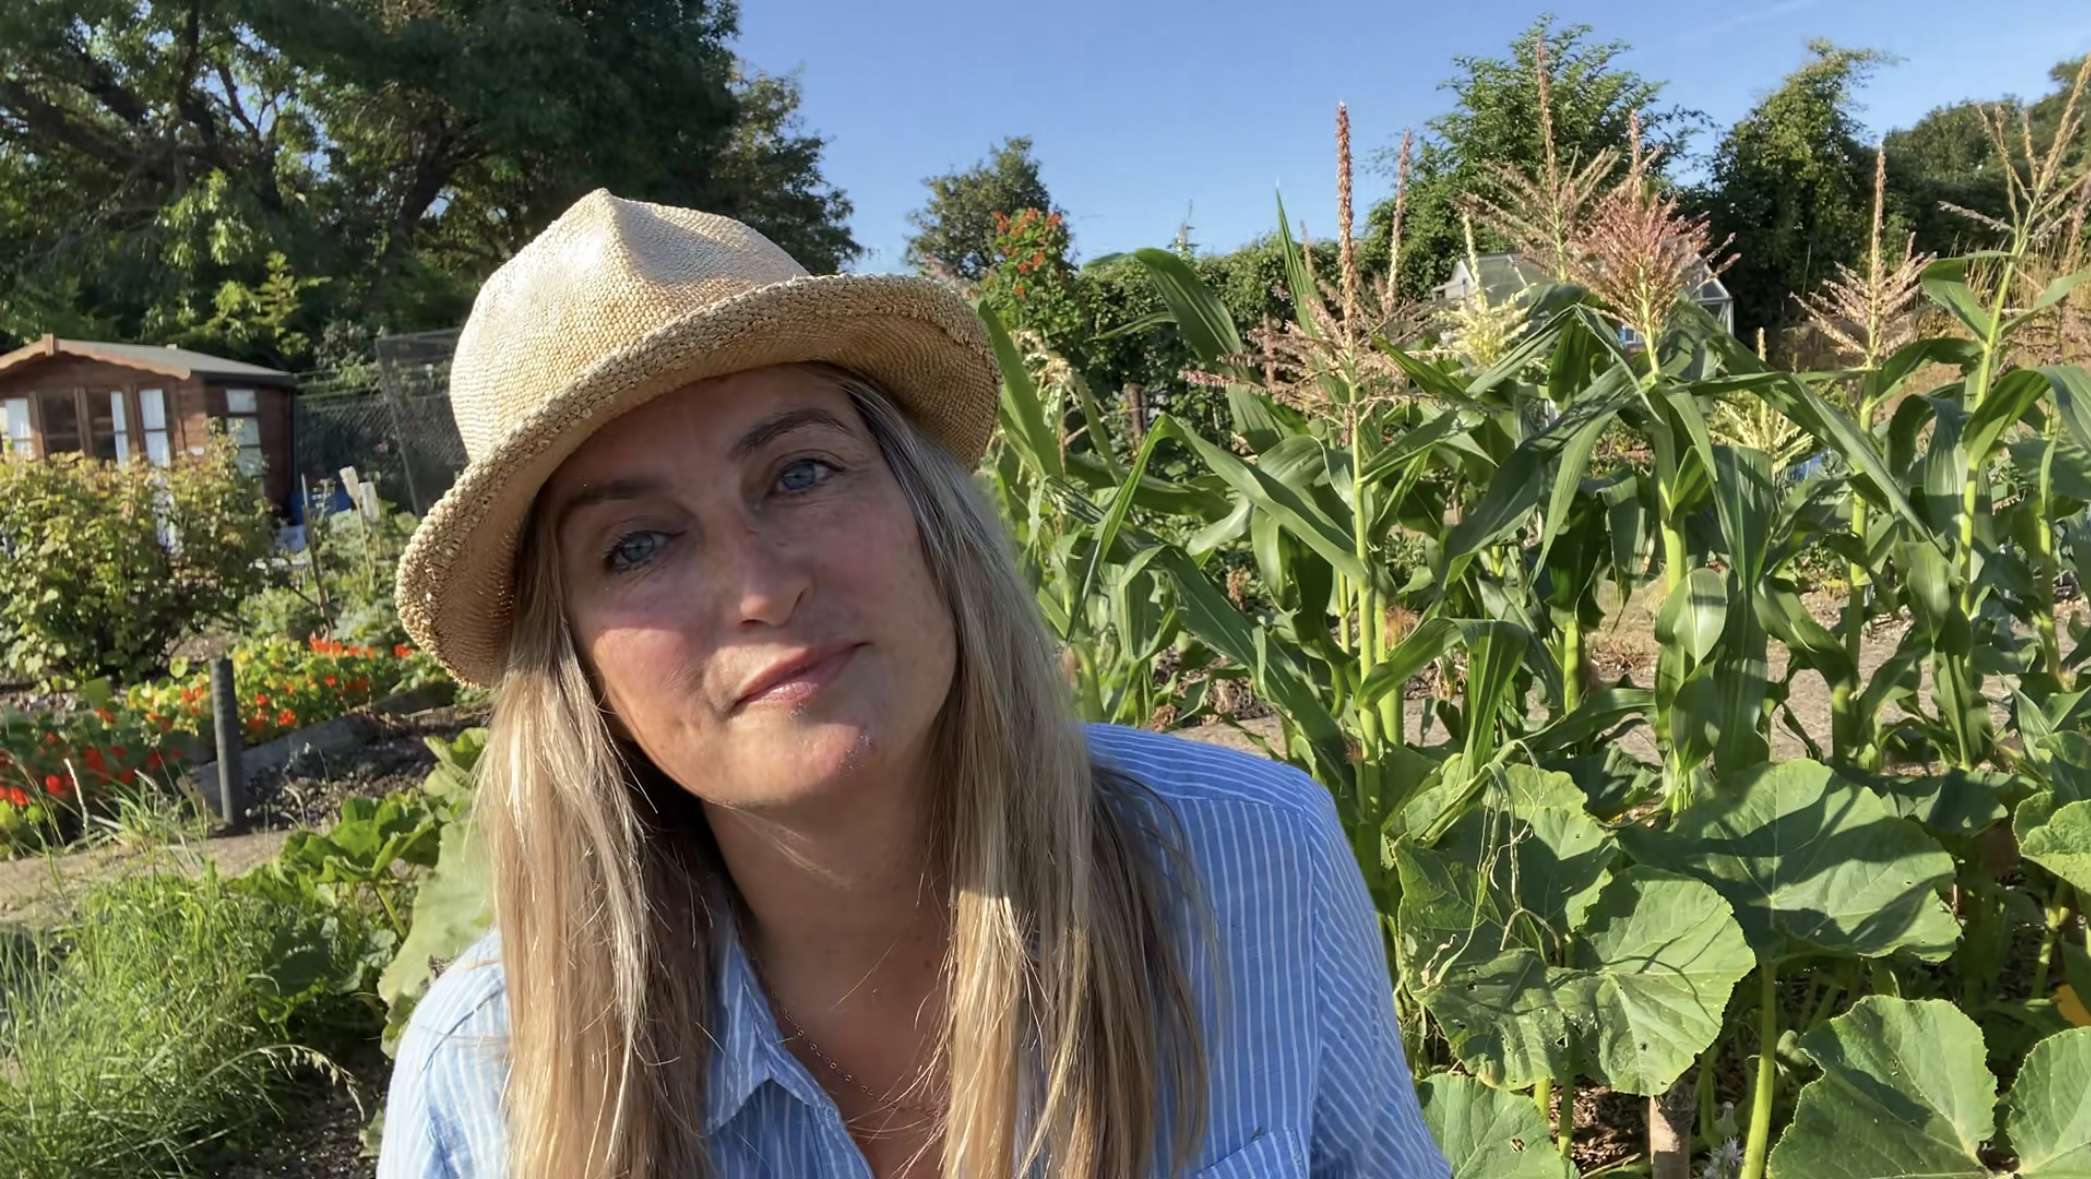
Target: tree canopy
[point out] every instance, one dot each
(274, 179)
(1791, 186)
(955, 230)
(1494, 122)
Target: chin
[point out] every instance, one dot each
(804, 759)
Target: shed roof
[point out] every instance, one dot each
(180, 363)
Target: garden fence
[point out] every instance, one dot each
(390, 419)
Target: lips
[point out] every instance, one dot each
(795, 677)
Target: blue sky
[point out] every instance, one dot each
(1144, 109)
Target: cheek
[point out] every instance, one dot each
(881, 568)
(641, 666)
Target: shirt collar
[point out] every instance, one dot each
(747, 1048)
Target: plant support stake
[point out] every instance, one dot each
(225, 727)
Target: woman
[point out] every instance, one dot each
(801, 866)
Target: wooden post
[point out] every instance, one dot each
(231, 799)
(319, 573)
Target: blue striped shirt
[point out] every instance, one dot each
(1307, 1076)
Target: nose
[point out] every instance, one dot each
(767, 579)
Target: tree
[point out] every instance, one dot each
(1948, 158)
(955, 231)
(1494, 122)
(1792, 182)
(158, 154)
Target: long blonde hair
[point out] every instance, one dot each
(1071, 1020)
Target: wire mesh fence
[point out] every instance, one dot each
(390, 419)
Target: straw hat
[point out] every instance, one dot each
(617, 302)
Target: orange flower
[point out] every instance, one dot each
(107, 717)
(401, 651)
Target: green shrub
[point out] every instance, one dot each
(161, 1024)
(355, 558)
(88, 585)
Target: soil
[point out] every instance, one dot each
(310, 790)
(321, 1135)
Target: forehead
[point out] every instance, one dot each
(702, 421)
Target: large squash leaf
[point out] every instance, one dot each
(1903, 1092)
(1488, 1134)
(1651, 974)
(1811, 865)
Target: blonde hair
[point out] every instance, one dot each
(1071, 1021)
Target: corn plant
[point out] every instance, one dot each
(1561, 907)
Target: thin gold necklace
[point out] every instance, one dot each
(796, 1031)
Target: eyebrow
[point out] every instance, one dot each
(623, 487)
(777, 425)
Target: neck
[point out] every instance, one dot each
(842, 893)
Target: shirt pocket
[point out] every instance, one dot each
(1273, 1154)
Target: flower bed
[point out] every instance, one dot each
(56, 766)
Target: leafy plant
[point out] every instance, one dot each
(1561, 908)
(163, 1022)
(105, 567)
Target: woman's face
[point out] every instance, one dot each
(743, 573)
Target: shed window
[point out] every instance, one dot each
(110, 427)
(14, 427)
(61, 422)
(243, 423)
(152, 421)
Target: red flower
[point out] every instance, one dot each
(52, 782)
(93, 758)
(50, 738)
(107, 717)
(261, 700)
(286, 718)
(401, 651)
(16, 796)
(328, 680)
(152, 760)
(118, 752)
(128, 776)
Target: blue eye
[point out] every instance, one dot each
(631, 549)
(804, 475)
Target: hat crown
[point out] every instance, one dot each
(607, 273)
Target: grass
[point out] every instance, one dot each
(158, 1030)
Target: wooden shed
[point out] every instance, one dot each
(125, 402)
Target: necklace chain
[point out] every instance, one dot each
(798, 1033)
(795, 1031)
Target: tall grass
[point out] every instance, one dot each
(159, 1027)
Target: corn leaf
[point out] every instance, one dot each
(1201, 318)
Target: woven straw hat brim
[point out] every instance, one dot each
(917, 339)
